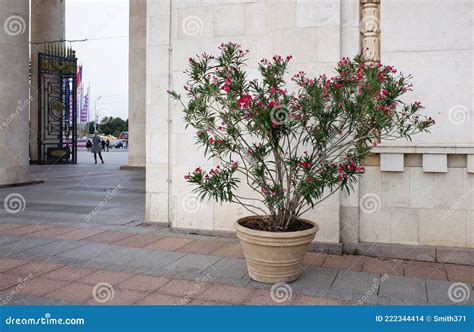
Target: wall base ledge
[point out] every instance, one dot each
(21, 184)
(132, 168)
(463, 256)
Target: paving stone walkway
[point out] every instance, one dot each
(79, 238)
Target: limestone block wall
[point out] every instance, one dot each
(433, 42)
(418, 193)
(309, 30)
(137, 83)
(421, 203)
(421, 193)
(14, 101)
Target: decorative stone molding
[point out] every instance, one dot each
(369, 25)
(392, 162)
(434, 158)
(435, 163)
(470, 163)
(422, 148)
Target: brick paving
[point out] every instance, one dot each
(55, 258)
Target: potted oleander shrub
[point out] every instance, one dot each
(294, 144)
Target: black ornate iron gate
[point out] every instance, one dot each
(57, 105)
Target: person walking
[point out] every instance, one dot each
(102, 142)
(96, 147)
(107, 144)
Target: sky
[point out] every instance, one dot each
(105, 61)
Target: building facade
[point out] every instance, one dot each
(415, 194)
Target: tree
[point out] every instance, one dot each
(112, 126)
(294, 149)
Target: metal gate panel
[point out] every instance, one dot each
(57, 106)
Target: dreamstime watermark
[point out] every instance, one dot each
(46, 320)
(192, 25)
(22, 105)
(459, 292)
(108, 197)
(373, 289)
(104, 114)
(459, 114)
(14, 203)
(103, 292)
(22, 282)
(458, 204)
(191, 204)
(370, 203)
(281, 292)
(279, 115)
(200, 283)
(14, 25)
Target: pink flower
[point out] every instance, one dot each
(306, 165)
(244, 102)
(360, 170)
(211, 141)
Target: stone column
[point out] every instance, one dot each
(137, 84)
(370, 30)
(47, 24)
(14, 59)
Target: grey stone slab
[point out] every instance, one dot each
(439, 293)
(239, 282)
(57, 247)
(366, 285)
(60, 207)
(356, 298)
(256, 284)
(404, 290)
(192, 263)
(117, 255)
(85, 252)
(228, 267)
(20, 299)
(25, 243)
(154, 261)
(4, 239)
(314, 281)
(95, 254)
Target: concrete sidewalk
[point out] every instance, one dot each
(78, 238)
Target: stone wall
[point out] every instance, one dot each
(409, 185)
(14, 85)
(422, 192)
(137, 83)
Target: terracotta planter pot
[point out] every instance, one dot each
(274, 257)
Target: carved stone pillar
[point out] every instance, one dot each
(370, 30)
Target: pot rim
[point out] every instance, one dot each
(280, 235)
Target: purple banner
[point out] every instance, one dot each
(85, 109)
